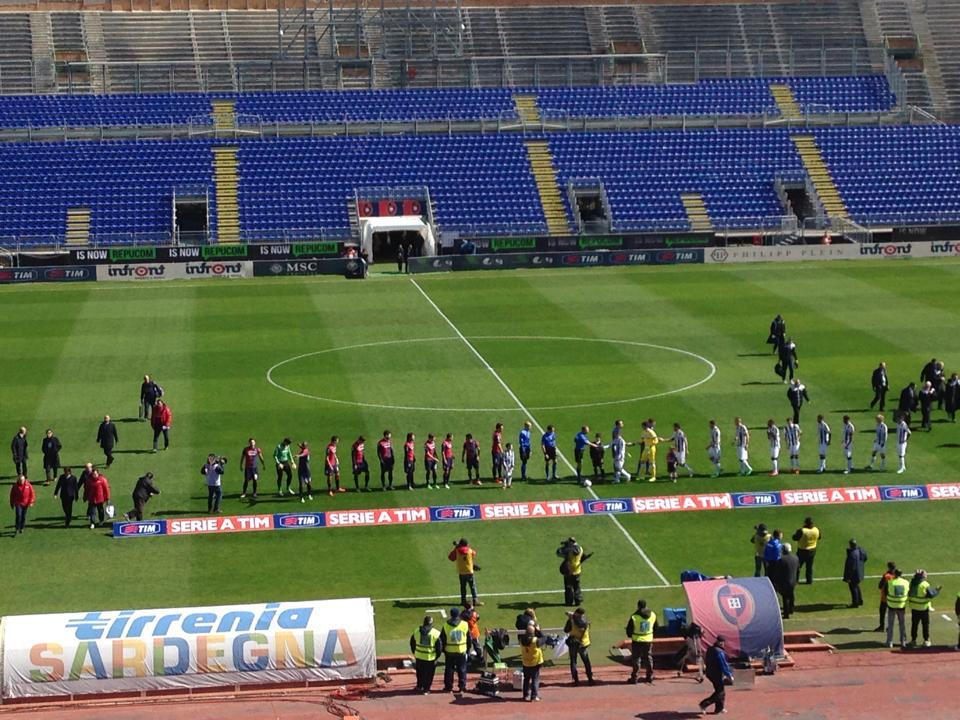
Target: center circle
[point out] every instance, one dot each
(604, 343)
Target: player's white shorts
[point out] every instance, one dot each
(618, 465)
(901, 449)
(878, 448)
(714, 454)
(795, 450)
(774, 452)
(823, 448)
(681, 459)
(848, 452)
(742, 454)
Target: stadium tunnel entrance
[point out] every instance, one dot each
(190, 217)
(381, 237)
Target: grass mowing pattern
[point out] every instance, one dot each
(74, 353)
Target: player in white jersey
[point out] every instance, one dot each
(880, 444)
(741, 440)
(823, 431)
(713, 449)
(791, 434)
(618, 449)
(773, 436)
(903, 434)
(848, 432)
(679, 442)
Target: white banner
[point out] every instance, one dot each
(844, 251)
(176, 271)
(113, 651)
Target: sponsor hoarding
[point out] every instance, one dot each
(139, 254)
(276, 268)
(597, 258)
(98, 652)
(78, 273)
(176, 271)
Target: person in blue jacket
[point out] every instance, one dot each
(718, 672)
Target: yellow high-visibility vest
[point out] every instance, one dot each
(456, 638)
(426, 643)
(897, 591)
(531, 654)
(643, 627)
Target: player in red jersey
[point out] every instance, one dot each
(359, 463)
(248, 462)
(410, 460)
(496, 453)
(385, 456)
(430, 461)
(331, 466)
(470, 455)
(446, 455)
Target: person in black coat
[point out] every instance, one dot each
(150, 392)
(778, 331)
(928, 396)
(68, 490)
(907, 403)
(18, 448)
(930, 373)
(785, 576)
(880, 385)
(51, 447)
(951, 397)
(142, 492)
(853, 572)
(107, 437)
(787, 359)
(797, 395)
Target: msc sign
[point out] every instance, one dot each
(607, 505)
(454, 513)
(139, 529)
(298, 521)
(756, 499)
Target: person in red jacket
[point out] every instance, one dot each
(96, 492)
(21, 498)
(160, 421)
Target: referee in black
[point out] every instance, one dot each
(880, 385)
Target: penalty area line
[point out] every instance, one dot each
(513, 396)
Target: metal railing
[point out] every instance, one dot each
(675, 66)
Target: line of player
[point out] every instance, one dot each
(791, 435)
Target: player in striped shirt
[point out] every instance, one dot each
(679, 440)
(848, 432)
(430, 462)
(741, 440)
(714, 449)
(823, 432)
(903, 435)
(791, 434)
(446, 456)
(618, 449)
(880, 444)
(773, 436)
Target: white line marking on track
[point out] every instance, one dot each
(533, 420)
(623, 588)
(525, 338)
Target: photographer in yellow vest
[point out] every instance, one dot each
(807, 538)
(578, 643)
(426, 648)
(531, 653)
(918, 598)
(453, 638)
(571, 568)
(640, 629)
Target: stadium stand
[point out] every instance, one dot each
(741, 96)
(481, 183)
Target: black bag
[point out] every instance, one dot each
(778, 369)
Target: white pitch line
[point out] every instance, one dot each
(622, 588)
(520, 405)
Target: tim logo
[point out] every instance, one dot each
(904, 492)
(451, 513)
(129, 529)
(735, 604)
(606, 506)
(755, 499)
(300, 520)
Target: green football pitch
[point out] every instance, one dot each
(309, 358)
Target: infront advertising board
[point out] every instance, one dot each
(87, 653)
(176, 271)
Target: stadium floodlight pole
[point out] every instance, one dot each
(521, 406)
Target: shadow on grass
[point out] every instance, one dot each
(859, 645)
(819, 607)
(534, 605)
(853, 410)
(952, 446)
(845, 631)
(133, 452)
(761, 382)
